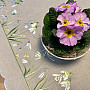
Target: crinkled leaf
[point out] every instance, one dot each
(46, 20)
(80, 44)
(47, 33)
(54, 32)
(69, 1)
(53, 17)
(86, 36)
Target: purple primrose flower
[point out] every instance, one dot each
(64, 7)
(69, 34)
(82, 20)
(65, 19)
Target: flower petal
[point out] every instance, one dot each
(73, 41)
(60, 33)
(85, 27)
(64, 40)
(60, 18)
(78, 9)
(79, 35)
(86, 21)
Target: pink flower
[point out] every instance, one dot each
(82, 20)
(64, 7)
(65, 19)
(77, 9)
(69, 34)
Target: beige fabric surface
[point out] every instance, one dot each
(35, 10)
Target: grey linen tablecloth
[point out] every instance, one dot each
(35, 10)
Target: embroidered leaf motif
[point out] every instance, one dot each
(27, 73)
(40, 82)
(14, 29)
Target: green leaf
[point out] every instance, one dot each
(14, 40)
(29, 74)
(69, 1)
(47, 33)
(46, 20)
(40, 82)
(4, 23)
(86, 36)
(59, 13)
(54, 31)
(15, 31)
(2, 0)
(87, 11)
(53, 17)
(14, 36)
(43, 89)
(25, 71)
(43, 85)
(30, 69)
(59, 48)
(80, 45)
(12, 30)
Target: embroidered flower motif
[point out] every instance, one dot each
(58, 77)
(14, 12)
(25, 56)
(82, 20)
(65, 75)
(3, 16)
(14, 45)
(37, 56)
(28, 45)
(1, 6)
(32, 27)
(63, 79)
(41, 75)
(19, 49)
(69, 34)
(16, 2)
(65, 84)
(5, 10)
(65, 19)
(24, 61)
(17, 55)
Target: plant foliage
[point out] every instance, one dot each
(50, 29)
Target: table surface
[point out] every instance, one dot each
(35, 10)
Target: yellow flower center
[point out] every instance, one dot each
(17, 55)
(69, 32)
(65, 6)
(25, 56)
(65, 22)
(80, 22)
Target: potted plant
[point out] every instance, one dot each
(66, 31)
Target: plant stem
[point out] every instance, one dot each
(16, 57)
